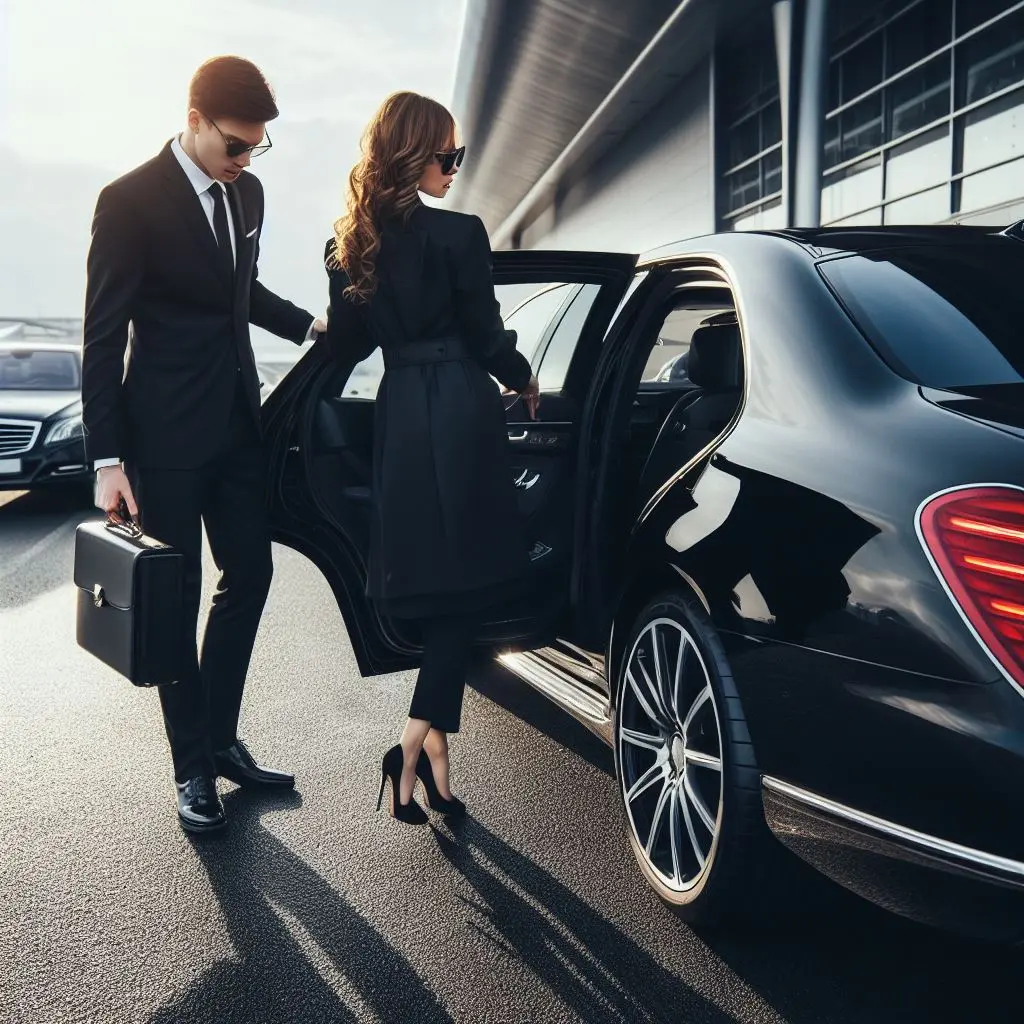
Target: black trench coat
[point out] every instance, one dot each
(446, 533)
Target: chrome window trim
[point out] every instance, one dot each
(945, 586)
(933, 844)
(36, 426)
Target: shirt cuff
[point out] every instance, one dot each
(100, 463)
(311, 333)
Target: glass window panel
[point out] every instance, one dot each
(744, 141)
(995, 217)
(833, 150)
(854, 189)
(922, 30)
(766, 218)
(39, 370)
(868, 218)
(921, 161)
(834, 79)
(862, 67)
(994, 132)
(919, 98)
(562, 346)
(771, 125)
(946, 316)
(862, 127)
(531, 318)
(925, 208)
(992, 60)
(972, 13)
(996, 185)
(744, 186)
(772, 165)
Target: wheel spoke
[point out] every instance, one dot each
(638, 693)
(642, 739)
(648, 779)
(689, 828)
(659, 684)
(702, 760)
(661, 714)
(698, 805)
(702, 698)
(659, 812)
(677, 680)
(674, 825)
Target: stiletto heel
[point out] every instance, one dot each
(454, 808)
(391, 769)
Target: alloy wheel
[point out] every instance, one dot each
(669, 742)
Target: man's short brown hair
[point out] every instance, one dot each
(232, 87)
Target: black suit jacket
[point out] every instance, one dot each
(154, 287)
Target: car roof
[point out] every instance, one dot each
(38, 345)
(818, 242)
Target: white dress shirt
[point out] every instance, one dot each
(201, 182)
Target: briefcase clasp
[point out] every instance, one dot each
(98, 597)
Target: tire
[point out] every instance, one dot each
(685, 764)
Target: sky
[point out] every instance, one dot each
(89, 89)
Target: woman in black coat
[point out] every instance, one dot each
(446, 535)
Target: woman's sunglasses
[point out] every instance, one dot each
(450, 159)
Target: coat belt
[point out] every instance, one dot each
(448, 349)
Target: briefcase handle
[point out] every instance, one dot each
(122, 523)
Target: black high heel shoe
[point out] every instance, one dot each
(391, 768)
(454, 808)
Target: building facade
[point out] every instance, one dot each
(598, 125)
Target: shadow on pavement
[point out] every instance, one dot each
(590, 964)
(517, 697)
(859, 963)
(271, 980)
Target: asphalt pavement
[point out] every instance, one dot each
(315, 908)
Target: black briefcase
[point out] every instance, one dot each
(129, 601)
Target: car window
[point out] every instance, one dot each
(529, 318)
(667, 362)
(558, 355)
(30, 370)
(944, 317)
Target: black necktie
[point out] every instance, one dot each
(225, 261)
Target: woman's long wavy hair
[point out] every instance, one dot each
(397, 145)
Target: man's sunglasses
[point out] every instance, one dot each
(235, 147)
(450, 159)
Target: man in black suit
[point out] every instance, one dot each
(176, 427)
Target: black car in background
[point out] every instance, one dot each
(787, 585)
(41, 441)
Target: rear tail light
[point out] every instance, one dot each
(975, 537)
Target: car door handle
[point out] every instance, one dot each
(517, 437)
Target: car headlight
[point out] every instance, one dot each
(65, 430)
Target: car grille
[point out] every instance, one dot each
(17, 436)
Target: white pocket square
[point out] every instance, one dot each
(253, 232)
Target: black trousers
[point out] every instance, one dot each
(229, 497)
(447, 650)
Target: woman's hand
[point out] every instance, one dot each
(531, 397)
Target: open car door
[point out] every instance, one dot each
(318, 425)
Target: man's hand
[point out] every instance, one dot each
(111, 486)
(320, 326)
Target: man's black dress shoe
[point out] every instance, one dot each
(199, 807)
(238, 765)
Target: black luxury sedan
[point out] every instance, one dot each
(786, 585)
(41, 442)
